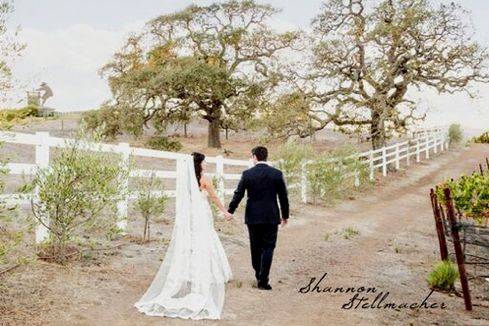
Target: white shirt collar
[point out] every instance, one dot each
(262, 162)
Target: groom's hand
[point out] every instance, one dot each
(284, 222)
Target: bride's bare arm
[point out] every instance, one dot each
(209, 187)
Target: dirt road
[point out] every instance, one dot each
(393, 251)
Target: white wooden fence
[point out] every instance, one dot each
(376, 159)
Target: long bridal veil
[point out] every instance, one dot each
(190, 281)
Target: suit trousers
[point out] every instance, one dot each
(263, 238)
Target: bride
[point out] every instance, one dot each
(190, 281)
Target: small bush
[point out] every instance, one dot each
(331, 176)
(12, 116)
(350, 232)
(482, 139)
(77, 194)
(150, 202)
(455, 133)
(164, 143)
(11, 234)
(443, 276)
(106, 119)
(470, 195)
(290, 156)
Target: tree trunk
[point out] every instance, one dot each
(214, 137)
(185, 129)
(377, 131)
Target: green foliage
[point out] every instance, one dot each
(470, 195)
(350, 232)
(290, 156)
(331, 175)
(289, 114)
(9, 117)
(443, 276)
(77, 196)
(150, 202)
(455, 133)
(11, 49)
(482, 139)
(11, 235)
(106, 118)
(217, 63)
(164, 143)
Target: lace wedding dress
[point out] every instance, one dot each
(190, 282)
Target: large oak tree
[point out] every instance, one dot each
(367, 55)
(215, 62)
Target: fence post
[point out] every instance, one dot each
(436, 144)
(384, 162)
(417, 150)
(408, 154)
(357, 179)
(220, 177)
(42, 161)
(304, 182)
(428, 147)
(123, 204)
(397, 156)
(371, 163)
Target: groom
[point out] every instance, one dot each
(263, 185)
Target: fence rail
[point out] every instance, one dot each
(378, 159)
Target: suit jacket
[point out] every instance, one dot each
(263, 184)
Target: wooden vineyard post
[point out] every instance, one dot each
(482, 170)
(458, 249)
(439, 226)
(487, 163)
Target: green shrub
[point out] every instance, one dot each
(482, 139)
(12, 116)
(149, 202)
(455, 133)
(10, 236)
(289, 157)
(470, 195)
(350, 232)
(77, 193)
(443, 276)
(105, 119)
(164, 143)
(331, 176)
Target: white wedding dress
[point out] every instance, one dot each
(190, 282)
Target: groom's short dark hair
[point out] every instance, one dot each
(260, 152)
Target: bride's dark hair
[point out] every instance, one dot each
(198, 159)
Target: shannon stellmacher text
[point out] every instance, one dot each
(362, 297)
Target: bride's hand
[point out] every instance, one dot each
(228, 216)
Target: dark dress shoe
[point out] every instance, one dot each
(264, 286)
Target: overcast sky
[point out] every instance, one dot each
(69, 40)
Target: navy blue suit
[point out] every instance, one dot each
(263, 185)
